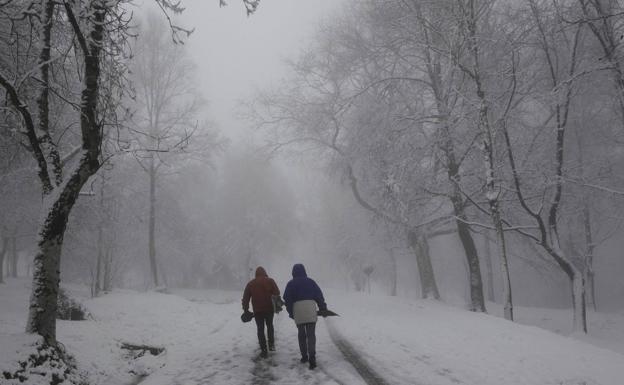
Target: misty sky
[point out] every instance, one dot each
(235, 53)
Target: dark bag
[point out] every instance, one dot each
(247, 316)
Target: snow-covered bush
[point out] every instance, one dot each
(39, 363)
(69, 309)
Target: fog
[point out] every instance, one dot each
(411, 150)
(232, 198)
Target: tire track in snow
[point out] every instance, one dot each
(219, 327)
(332, 377)
(368, 374)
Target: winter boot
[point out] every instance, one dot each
(312, 362)
(304, 359)
(271, 347)
(263, 349)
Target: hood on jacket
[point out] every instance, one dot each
(298, 271)
(260, 272)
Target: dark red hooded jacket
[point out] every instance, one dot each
(260, 290)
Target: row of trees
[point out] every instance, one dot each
(482, 118)
(69, 106)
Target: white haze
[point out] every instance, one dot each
(236, 53)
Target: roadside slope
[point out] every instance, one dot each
(426, 342)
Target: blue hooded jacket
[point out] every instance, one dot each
(302, 288)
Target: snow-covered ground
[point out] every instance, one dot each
(400, 341)
(606, 330)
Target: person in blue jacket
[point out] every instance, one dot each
(302, 296)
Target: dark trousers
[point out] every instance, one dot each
(307, 339)
(261, 320)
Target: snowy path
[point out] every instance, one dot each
(228, 354)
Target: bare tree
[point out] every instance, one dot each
(167, 106)
(440, 75)
(471, 16)
(548, 234)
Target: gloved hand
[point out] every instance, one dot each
(247, 316)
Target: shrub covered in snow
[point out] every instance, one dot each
(68, 308)
(37, 363)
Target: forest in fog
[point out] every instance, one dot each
(496, 122)
(466, 151)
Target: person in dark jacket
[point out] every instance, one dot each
(302, 296)
(260, 291)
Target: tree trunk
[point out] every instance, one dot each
(98, 263)
(43, 302)
(487, 255)
(46, 264)
(589, 254)
(393, 262)
(152, 221)
(7, 257)
(477, 303)
(14, 256)
(578, 302)
(591, 288)
(500, 235)
(577, 282)
(420, 247)
(2, 254)
(588, 257)
(107, 280)
(100, 237)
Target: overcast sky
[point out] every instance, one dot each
(235, 53)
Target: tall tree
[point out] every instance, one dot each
(472, 16)
(167, 107)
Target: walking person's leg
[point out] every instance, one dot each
(270, 331)
(260, 320)
(310, 330)
(303, 343)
